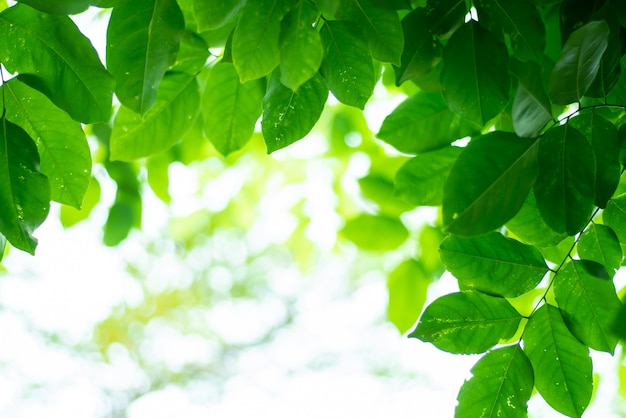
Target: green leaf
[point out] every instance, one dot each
(614, 216)
(529, 226)
(255, 40)
(381, 28)
(347, 66)
(142, 42)
(230, 109)
(61, 7)
(493, 263)
(118, 224)
(445, 16)
(24, 191)
(599, 243)
(289, 115)
(301, 50)
(70, 216)
(211, 15)
(501, 385)
(407, 285)
(423, 122)
(489, 183)
(588, 301)
(61, 143)
(57, 60)
(475, 76)
(422, 51)
(157, 168)
(192, 54)
(602, 135)
(531, 107)
(377, 233)
(566, 182)
(467, 322)
(420, 180)
(609, 72)
(579, 63)
(177, 103)
(380, 190)
(563, 370)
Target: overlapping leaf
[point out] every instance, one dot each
(565, 188)
(61, 143)
(215, 14)
(192, 54)
(609, 72)
(587, 298)
(445, 16)
(467, 322)
(475, 76)
(614, 216)
(529, 226)
(423, 122)
(531, 107)
(347, 66)
(563, 369)
(501, 385)
(489, 183)
(493, 264)
(58, 60)
(600, 244)
(177, 103)
(62, 7)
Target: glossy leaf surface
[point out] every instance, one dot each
(531, 106)
(600, 244)
(215, 14)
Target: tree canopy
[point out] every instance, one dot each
(513, 125)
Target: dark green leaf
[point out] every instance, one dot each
(610, 70)
(603, 137)
(58, 60)
(586, 296)
(407, 285)
(289, 115)
(579, 63)
(24, 191)
(420, 180)
(423, 122)
(529, 226)
(177, 103)
(531, 107)
(215, 14)
(475, 75)
(108, 3)
(381, 28)
(347, 66)
(63, 149)
(599, 243)
(467, 322)
(614, 216)
(142, 42)
(520, 21)
(619, 324)
(378, 233)
(619, 8)
(563, 370)
(493, 264)
(445, 16)
(501, 385)
(230, 109)
(489, 183)
(61, 7)
(566, 182)
(255, 40)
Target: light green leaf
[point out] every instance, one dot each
(587, 298)
(520, 21)
(467, 322)
(475, 76)
(501, 385)
(565, 186)
(489, 183)
(289, 115)
(24, 191)
(211, 15)
(494, 264)
(423, 122)
(172, 115)
(61, 7)
(381, 28)
(407, 285)
(56, 59)
(192, 54)
(378, 233)
(614, 216)
(579, 63)
(563, 370)
(347, 67)
(599, 243)
(255, 40)
(380, 190)
(157, 168)
(301, 50)
(230, 109)
(70, 216)
(61, 143)
(420, 180)
(531, 107)
(143, 38)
